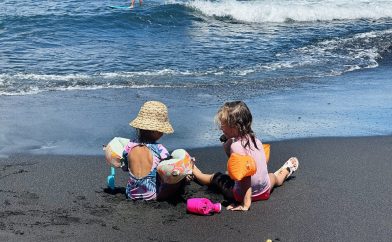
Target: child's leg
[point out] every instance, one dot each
(276, 180)
(204, 179)
(281, 175)
(218, 182)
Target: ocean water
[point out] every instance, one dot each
(73, 73)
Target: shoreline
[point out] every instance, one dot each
(340, 192)
(79, 122)
(36, 153)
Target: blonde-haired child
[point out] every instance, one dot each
(235, 121)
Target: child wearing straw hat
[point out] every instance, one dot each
(145, 153)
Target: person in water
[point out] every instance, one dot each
(235, 120)
(133, 3)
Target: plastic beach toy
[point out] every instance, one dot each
(110, 179)
(202, 206)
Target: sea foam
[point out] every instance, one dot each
(301, 11)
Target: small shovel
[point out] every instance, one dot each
(110, 179)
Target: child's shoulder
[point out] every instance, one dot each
(130, 145)
(238, 145)
(162, 148)
(156, 147)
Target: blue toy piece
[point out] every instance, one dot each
(110, 179)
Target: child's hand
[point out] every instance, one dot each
(233, 207)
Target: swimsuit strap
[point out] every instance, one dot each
(155, 150)
(153, 147)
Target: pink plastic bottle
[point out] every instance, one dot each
(202, 206)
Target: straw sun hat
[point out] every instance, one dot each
(153, 115)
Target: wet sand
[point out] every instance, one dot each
(341, 192)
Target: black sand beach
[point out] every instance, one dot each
(341, 192)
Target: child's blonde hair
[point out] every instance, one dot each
(237, 114)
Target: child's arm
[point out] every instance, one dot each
(247, 201)
(245, 183)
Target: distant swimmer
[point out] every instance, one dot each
(133, 3)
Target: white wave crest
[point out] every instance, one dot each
(30, 83)
(164, 72)
(48, 77)
(39, 89)
(261, 11)
(341, 55)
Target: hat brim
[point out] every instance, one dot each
(164, 127)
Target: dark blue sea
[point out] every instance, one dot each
(73, 73)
